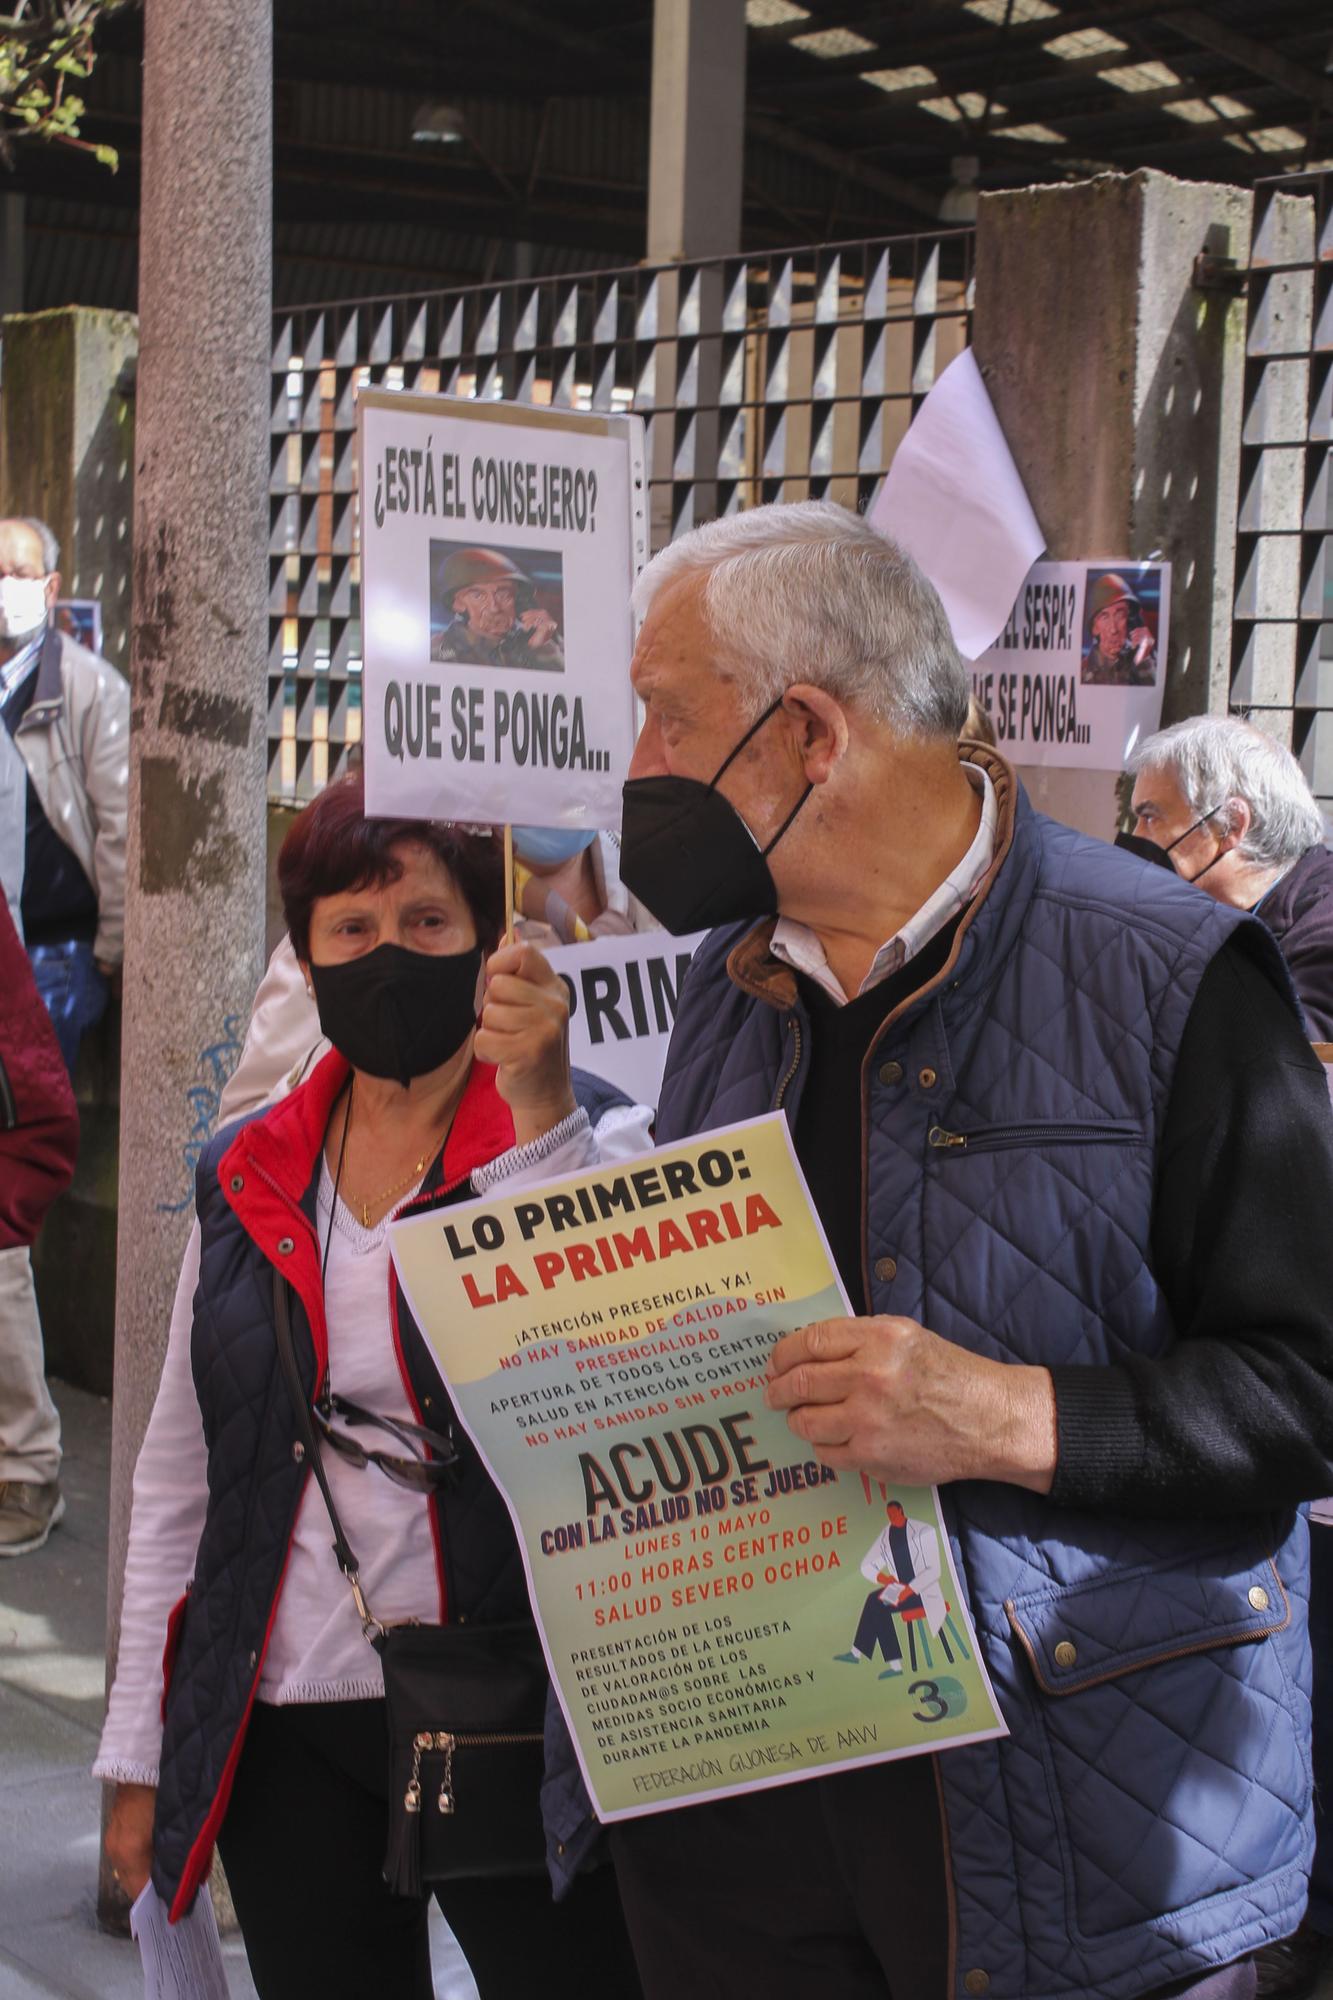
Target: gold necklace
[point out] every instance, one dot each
(409, 1179)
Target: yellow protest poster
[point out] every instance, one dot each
(719, 1611)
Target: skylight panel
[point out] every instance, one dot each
(964, 104)
(828, 43)
(1278, 139)
(1193, 110)
(914, 77)
(1141, 76)
(1230, 107)
(1021, 10)
(1085, 42)
(1040, 135)
(773, 13)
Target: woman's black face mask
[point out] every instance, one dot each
(398, 1013)
(687, 854)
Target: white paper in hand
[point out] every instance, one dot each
(953, 499)
(180, 1961)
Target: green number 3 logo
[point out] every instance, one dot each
(931, 1697)
(944, 1694)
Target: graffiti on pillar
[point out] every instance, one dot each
(203, 1099)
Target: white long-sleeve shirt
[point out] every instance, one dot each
(316, 1652)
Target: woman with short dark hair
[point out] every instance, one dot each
(270, 1738)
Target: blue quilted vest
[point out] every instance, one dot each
(256, 1189)
(1148, 1816)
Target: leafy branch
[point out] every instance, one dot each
(46, 51)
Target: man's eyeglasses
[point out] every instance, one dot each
(418, 1474)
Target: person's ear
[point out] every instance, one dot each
(819, 723)
(52, 589)
(1238, 820)
(304, 964)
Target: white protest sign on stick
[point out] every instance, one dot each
(1076, 676)
(623, 994)
(499, 545)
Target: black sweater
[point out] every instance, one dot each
(1238, 1415)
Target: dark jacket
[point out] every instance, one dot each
(1298, 910)
(1149, 1814)
(39, 1126)
(256, 1191)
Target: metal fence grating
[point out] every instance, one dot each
(1282, 627)
(786, 376)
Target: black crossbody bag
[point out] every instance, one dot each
(466, 1707)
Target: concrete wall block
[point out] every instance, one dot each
(67, 448)
(1272, 500)
(1121, 400)
(1266, 670)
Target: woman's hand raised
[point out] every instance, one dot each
(524, 1031)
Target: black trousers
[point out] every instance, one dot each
(832, 1887)
(303, 1846)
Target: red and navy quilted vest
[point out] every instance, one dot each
(256, 1188)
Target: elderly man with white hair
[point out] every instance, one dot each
(1232, 808)
(1086, 1304)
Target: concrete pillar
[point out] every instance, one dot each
(695, 169)
(1117, 383)
(195, 913)
(67, 448)
(697, 140)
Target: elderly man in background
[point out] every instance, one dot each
(1073, 1158)
(1232, 808)
(67, 714)
(64, 781)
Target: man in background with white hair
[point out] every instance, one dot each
(64, 802)
(1232, 808)
(1007, 1055)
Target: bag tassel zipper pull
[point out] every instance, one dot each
(445, 1801)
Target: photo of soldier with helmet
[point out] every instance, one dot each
(497, 607)
(1120, 629)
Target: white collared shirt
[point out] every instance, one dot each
(797, 946)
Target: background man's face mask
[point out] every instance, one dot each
(22, 605)
(398, 1013)
(687, 854)
(1202, 819)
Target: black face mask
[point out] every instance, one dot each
(1147, 850)
(1200, 821)
(398, 1013)
(687, 854)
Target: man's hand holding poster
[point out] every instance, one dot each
(719, 1610)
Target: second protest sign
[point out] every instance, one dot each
(719, 1611)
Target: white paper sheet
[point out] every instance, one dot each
(954, 500)
(180, 1961)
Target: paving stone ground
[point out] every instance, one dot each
(52, 1629)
